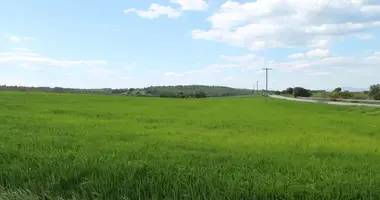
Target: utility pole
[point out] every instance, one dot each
(257, 86)
(266, 74)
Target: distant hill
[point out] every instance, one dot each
(178, 91)
(184, 91)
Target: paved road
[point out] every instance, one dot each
(326, 102)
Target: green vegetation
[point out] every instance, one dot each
(375, 91)
(115, 147)
(336, 95)
(179, 91)
(301, 92)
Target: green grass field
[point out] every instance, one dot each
(61, 146)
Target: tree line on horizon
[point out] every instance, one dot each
(203, 91)
(337, 93)
(179, 91)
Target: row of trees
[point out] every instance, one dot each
(297, 92)
(337, 93)
(179, 91)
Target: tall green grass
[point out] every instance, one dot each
(57, 146)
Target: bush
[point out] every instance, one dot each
(338, 89)
(345, 95)
(301, 92)
(374, 91)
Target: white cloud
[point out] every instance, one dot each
(296, 55)
(289, 23)
(31, 57)
(318, 53)
(15, 38)
(191, 4)
(318, 43)
(155, 11)
(130, 10)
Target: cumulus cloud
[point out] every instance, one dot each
(155, 11)
(318, 53)
(188, 5)
(289, 23)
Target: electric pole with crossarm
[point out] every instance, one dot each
(266, 74)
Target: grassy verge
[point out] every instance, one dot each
(114, 147)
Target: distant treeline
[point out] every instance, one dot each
(179, 91)
(337, 93)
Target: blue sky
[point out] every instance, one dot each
(121, 44)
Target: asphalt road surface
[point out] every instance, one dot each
(326, 102)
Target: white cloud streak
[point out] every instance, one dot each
(155, 10)
(31, 57)
(14, 38)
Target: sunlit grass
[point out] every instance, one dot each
(112, 147)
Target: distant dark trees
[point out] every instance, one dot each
(288, 91)
(179, 91)
(200, 94)
(374, 91)
(194, 91)
(120, 91)
(338, 89)
(301, 92)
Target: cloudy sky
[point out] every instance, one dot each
(319, 44)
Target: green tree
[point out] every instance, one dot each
(338, 89)
(374, 91)
(289, 90)
(301, 92)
